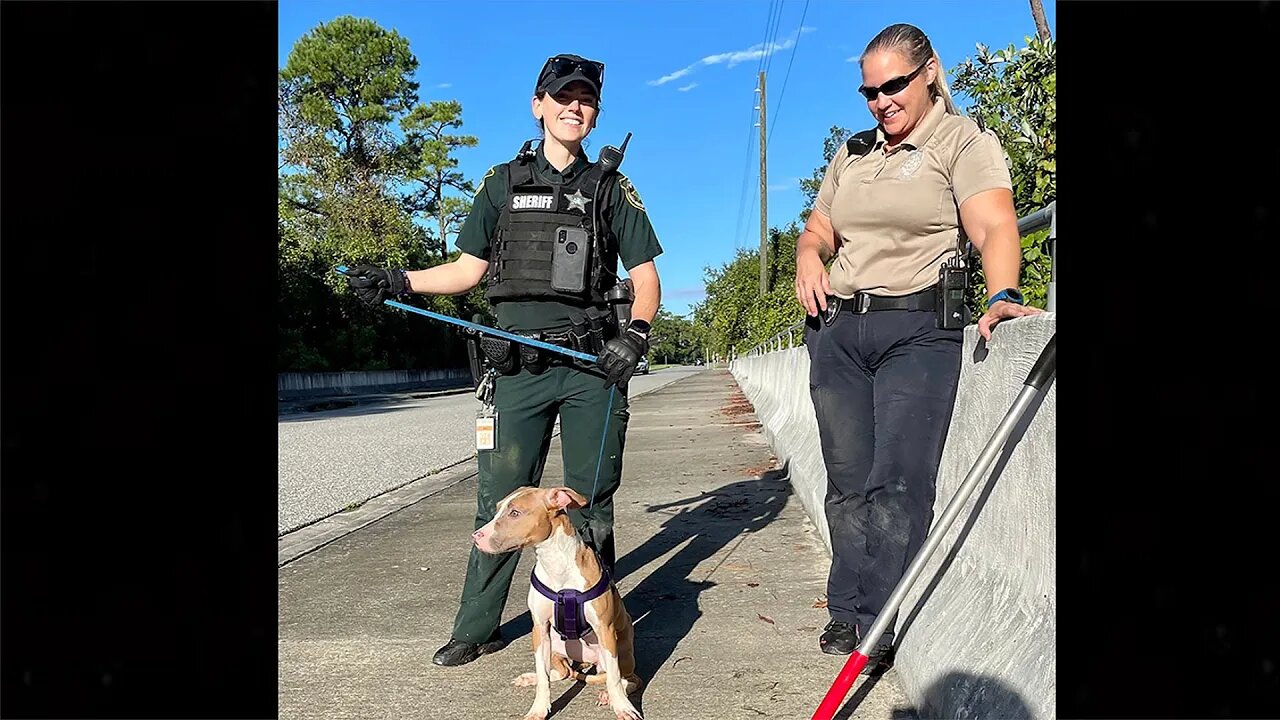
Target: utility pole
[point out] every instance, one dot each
(1042, 25)
(764, 198)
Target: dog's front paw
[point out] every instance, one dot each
(537, 714)
(628, 713)
(624, 710)
(526, 680)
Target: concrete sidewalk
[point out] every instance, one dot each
(719, 566)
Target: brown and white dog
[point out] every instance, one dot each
(536, 517)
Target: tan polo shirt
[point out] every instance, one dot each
(897, 213)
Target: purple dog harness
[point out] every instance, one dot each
(570, 619)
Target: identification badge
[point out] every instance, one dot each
(833, 310)
(487, 432)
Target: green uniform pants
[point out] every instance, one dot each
(526, 406)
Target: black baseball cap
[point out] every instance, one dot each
(560, 70)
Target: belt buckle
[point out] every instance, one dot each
(861, 303)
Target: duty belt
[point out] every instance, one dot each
(563, 339)
(507, 357)
(862, 303)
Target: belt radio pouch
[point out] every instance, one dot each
(570, 259)
(500, 354)
(949, 297)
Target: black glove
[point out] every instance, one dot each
(623, 352)
(372, 284)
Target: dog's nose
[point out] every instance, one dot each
(478, 535)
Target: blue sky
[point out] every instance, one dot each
(681, 77)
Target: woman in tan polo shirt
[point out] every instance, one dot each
(895, 204)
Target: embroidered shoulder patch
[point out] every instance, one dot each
(481, 185)
(629, 192)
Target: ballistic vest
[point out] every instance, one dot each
(520, 265)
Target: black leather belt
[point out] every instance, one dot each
(862, 302)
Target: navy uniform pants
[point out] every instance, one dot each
(883, 385)
(527, 406)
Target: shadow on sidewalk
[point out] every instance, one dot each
(665, 603)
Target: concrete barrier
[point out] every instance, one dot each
(777, 384)
(977, 630)
(301, 385)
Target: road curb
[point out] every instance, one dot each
(309, 538)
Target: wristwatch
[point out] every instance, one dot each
(639, 327)
(1009, 295)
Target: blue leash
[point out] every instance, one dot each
(608, 413)
(483, 329)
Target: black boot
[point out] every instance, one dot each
(460, 652)
(842, 638)
(880, 659)
(839, 638)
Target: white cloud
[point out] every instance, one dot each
(688, 87)
(445, 85)
(755, 52)
(673, 76)
(735, 57)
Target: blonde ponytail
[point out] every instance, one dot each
(939, 87)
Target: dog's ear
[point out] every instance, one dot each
(565, 499)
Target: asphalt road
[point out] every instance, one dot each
(330, 460)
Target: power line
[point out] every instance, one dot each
(770, 32)
(773, 38)
(746, 169)
(778, 108)
(768, 22)
(773, 21)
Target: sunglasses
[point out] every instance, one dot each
(561, 66)
(891, 87)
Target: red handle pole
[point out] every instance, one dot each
(840, 688)
(1043, 371)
